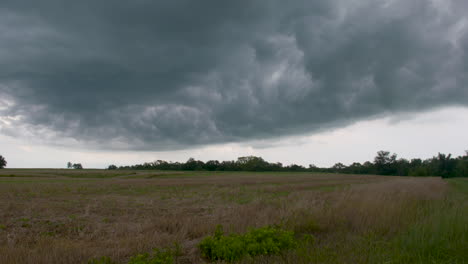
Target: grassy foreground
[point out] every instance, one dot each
(63, 216)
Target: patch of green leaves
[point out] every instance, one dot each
(233, 247)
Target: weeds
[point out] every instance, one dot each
(372, 219)
(260, 241)
(441, 237)
(158, 256)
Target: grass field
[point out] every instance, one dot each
(72, 216)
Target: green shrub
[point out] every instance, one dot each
(260, 241)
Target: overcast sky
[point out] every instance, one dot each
(302, 81)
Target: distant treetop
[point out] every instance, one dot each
(76, 166)
(3, 162)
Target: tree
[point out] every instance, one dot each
(212, 165)
(3, 162)
(338, 167)
(112, 167)
(355, 168)
(69, 165)
(295, 167)
(384, 163)
(252, 163)
(77, 166)
(444, 165)
(193, 164)
(462, 166)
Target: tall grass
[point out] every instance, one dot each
(365, 219)
(441, 236)
(434, 231)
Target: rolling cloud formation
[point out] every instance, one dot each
(173, 74)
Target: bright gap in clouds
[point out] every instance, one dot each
(416, 135)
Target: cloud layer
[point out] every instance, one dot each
(174, 74)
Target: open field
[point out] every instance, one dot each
(71, 216)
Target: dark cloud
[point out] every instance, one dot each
(172, 74)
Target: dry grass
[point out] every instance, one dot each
(54, 218)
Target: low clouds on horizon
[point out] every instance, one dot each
(144, 75)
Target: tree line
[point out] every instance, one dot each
(384, 163)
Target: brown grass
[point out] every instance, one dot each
(55, 219)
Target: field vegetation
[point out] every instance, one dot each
(138, 217)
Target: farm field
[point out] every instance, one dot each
(74, 216)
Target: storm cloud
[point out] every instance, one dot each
(165, 75)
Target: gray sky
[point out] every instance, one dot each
(294, 81)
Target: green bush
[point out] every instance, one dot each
(261, 241)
